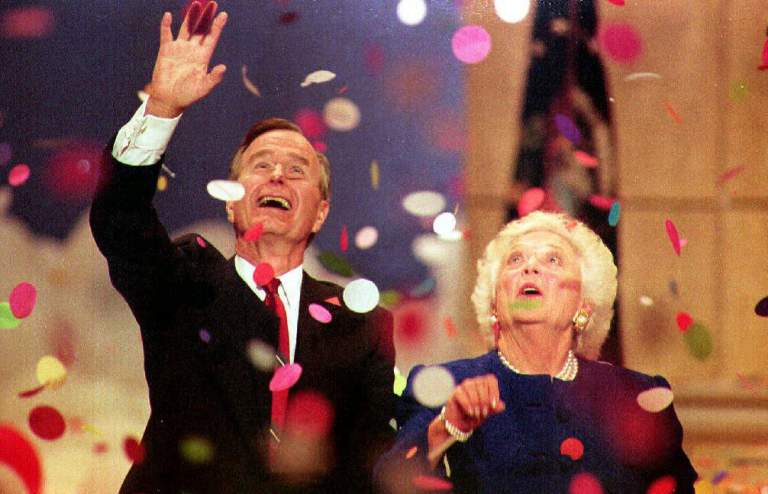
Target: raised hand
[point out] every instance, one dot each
(181, 76)
(473, 401)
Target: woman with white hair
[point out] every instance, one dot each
(538, 413)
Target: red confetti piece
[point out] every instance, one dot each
(764, 57)
(100, 448)
(674, 237)
(450, 328)
(601, 202)
(263, 273)
(620, 3)
(572, 448)
(47, 423)
(342, 89)
(684, 321)
(18, 175)
(471, 44)
(761, 309)
(730, 174)
(22, 299)
(585, 159)
(311, 123)
(133, 449)
(285, 377)
(253, 233)
(288, 17)
(201, 242)
(745, 382)
(585, 483)
(72, 172)
(531, 200)
(333, 301)
(31, 392)
(319, 313)
(18, 453)
(621, 42)
(663, 485)
(309, 414)
(27, 22)
(344, 239)
(672, 113)
(411, 452)
(320, 146)
(428, 483)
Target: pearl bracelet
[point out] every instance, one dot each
(454, 431)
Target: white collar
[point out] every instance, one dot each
(290, 281)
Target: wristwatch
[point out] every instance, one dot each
(454, 431)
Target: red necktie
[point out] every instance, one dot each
(279, 398)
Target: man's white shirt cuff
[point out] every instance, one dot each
(144, 138)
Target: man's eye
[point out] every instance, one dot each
(515, 259)
(297, 169)
(262, 165)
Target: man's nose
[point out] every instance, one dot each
(277, 172)
(531, 265)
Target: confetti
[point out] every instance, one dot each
(226, 190)
(699, 341)
(655, 400)
(390, 298)
(567, 128)
(471, 44)
(646, 301)
(50, 372)
(450, 327)
(664, 485)
(531, 200)
(318, 77)
(674, 237)
(730, 174)
(284, 377)
(261, 355)
(639, 76)
(263, 274)
(620, 42)
(424, 203)
(613, 216)
(343, 239)
(201, 242)
(311, 123)
(366, 237)
(400, 383)
(761, 309)
(672, 113)
(47, 423)
(601, 202)
(22, 299)
(319, 313)
(411, 12)
(375, 175)
(162, 183)
(341, 114)
(27, 22)
(444, 223)
(361, 295)
(572, 448)
(204, 335)
(411, 452)
(18, 175)
(719, 476)
(196, 449)
(309, 414)
(684, 321)
(738, 91)
(764, 57)
(585, 159)
(253, 233)
(100, 448)
(512, 12)
(133, 449)
(72, 171)
(433, 386)
(19, 454)
(585, 483)
(7, 319)
(620, 3)
(289, 17)
(424, 288)
(335, 264)
(31, 392)
(250, 86)
(429, 483)
(333, 301)
(672, 285)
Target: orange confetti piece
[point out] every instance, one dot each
(334, 301)
(672, 113)
(31, 392)
(450, 328)
(411, 452)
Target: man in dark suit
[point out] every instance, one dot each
(215, 425)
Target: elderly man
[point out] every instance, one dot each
(215, 426)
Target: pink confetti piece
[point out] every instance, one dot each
(311, 123)
(471, 44)
(20, 455)
(27, 22)
(764, 57)
(343, 89)
(18, 175)
(344, 238)
(201, 242)
(572, 447)
(133, 449)
(429, 483)
(285, 377)
(684, 321)
(672, 113)
(620, 3)
(674, 237)
(334, 301)
(621, 42)
(585, 159)
(601, 202)
(585, 483)
(664, 485)
(254, 232)
(100, 448)
(319, 313)
(263, 273)
(729, 174)
(22, 299)
(31, 392)
(47, 423)
(531, 200)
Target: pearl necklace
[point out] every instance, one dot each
(567, 373)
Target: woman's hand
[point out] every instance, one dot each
(181, 77)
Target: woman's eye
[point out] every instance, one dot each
(554, 260)
(515, 259)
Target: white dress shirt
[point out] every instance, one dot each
(141, 142)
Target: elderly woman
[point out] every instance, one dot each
(538, 413)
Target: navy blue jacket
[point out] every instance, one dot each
(518, 451)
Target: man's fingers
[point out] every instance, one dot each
(203, 24)
(166, 36)
(212, 39)
(190, 20)
(216, 75)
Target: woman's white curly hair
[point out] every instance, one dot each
(598, 274)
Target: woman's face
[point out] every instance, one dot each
(539, 282)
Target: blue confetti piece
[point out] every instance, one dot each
(613, 216)
(719, 476)
(567, 128)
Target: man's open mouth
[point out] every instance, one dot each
(275, 202)
(529, 290)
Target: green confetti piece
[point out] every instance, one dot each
(699, 341)
(525, 304)
(7, 319)
(400, 382)
(196, 450)
(335, 263)
(613, 216)
(389, 299)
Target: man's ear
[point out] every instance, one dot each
(230, 207)
(322, 214)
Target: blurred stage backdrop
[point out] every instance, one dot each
(441, 119)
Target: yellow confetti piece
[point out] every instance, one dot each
(375, 174)
(51, 372)
(92, 429)
(400, 383)
(162, 183)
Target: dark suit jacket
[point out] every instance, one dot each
(197, 317)
(626, 448)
